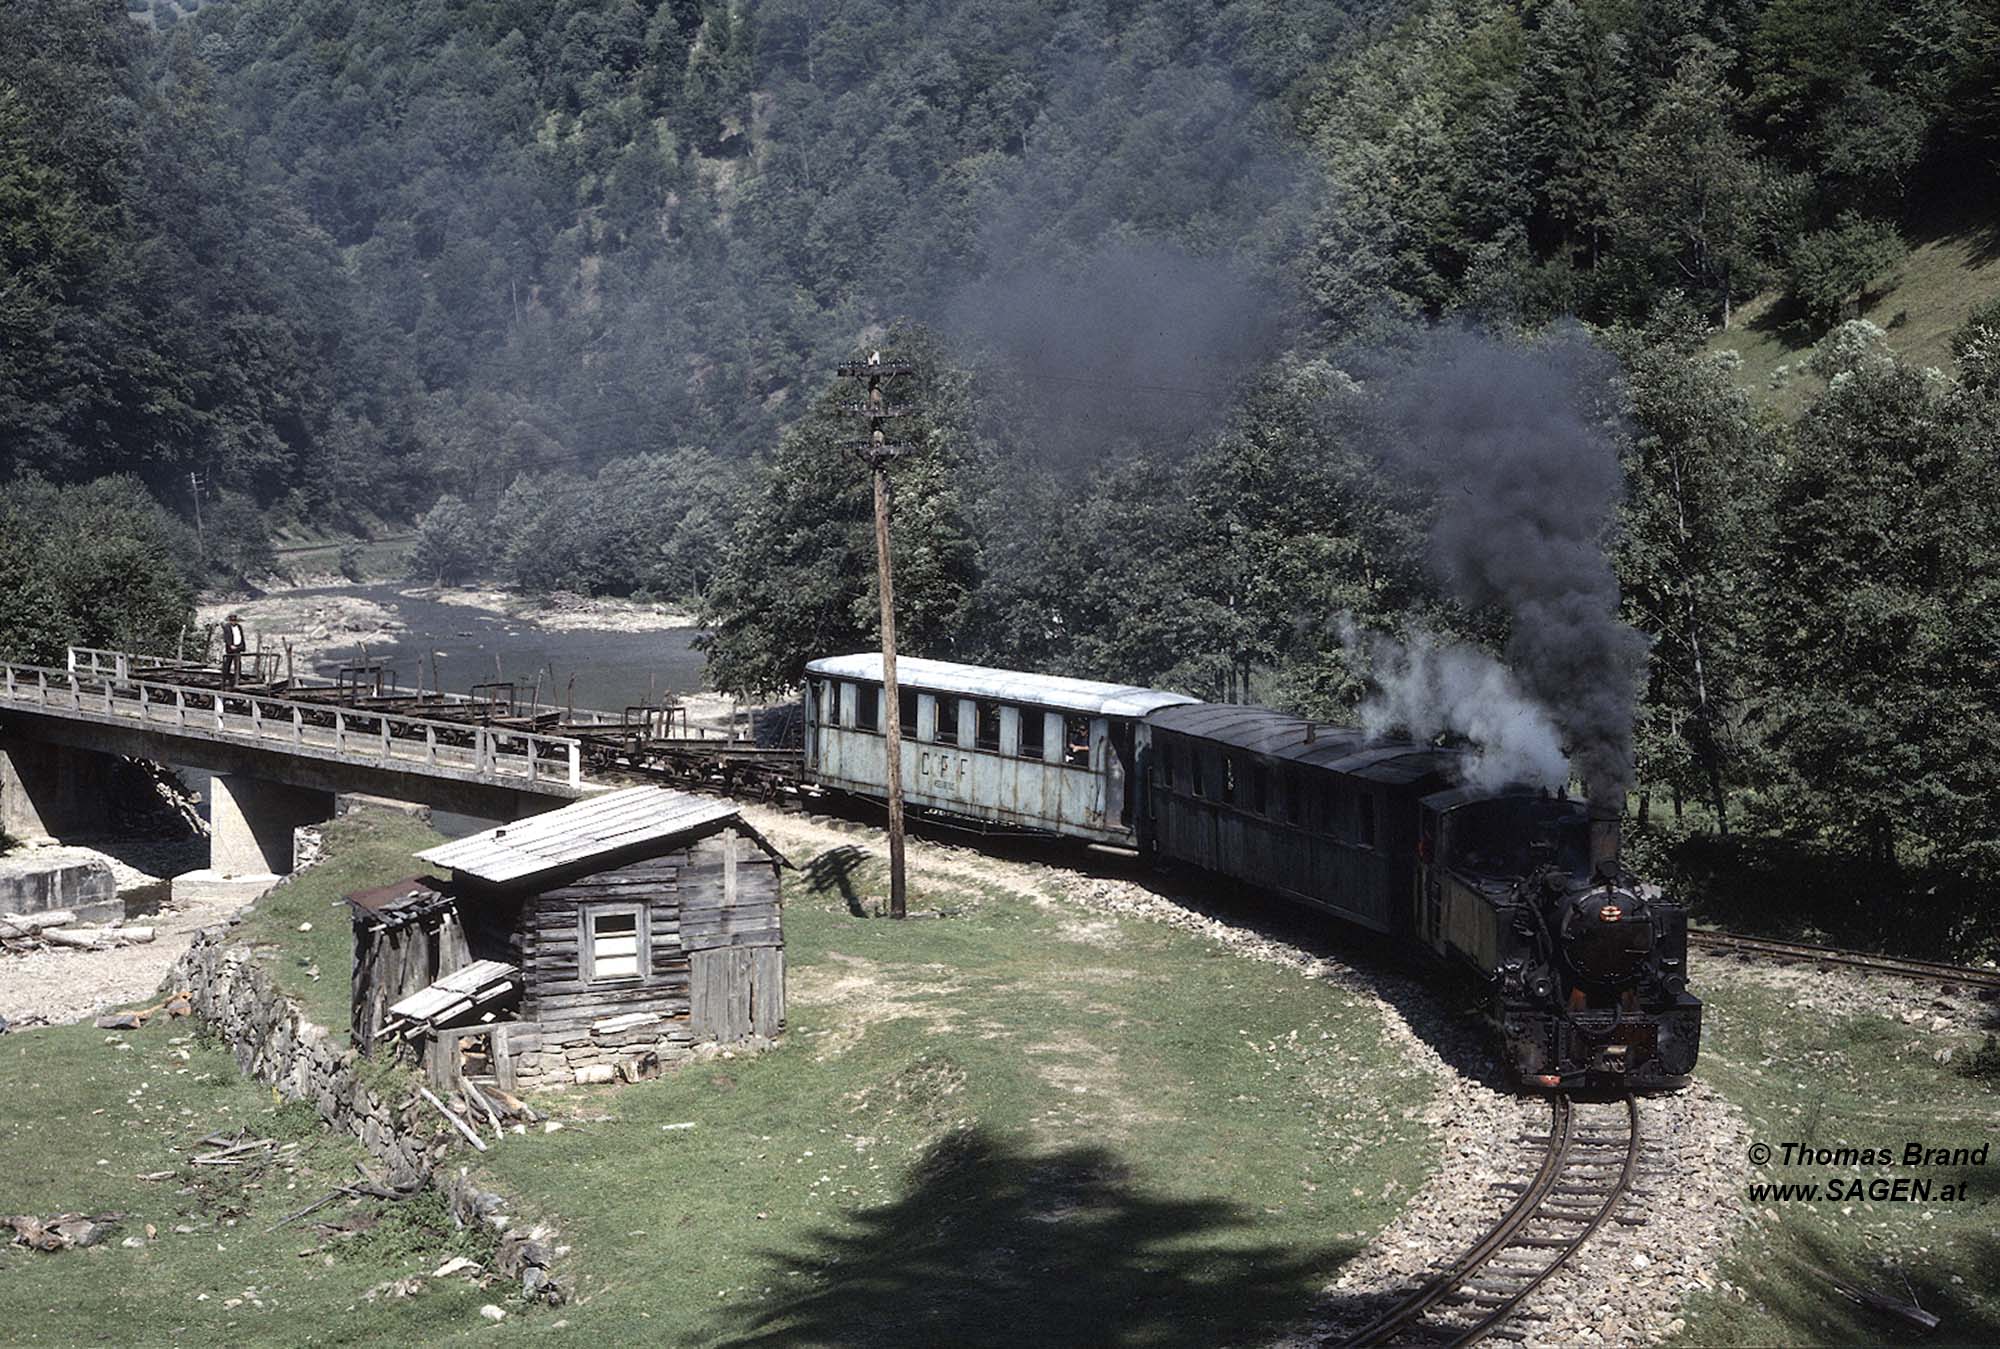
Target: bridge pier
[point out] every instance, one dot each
(53, 791)
(250, 822)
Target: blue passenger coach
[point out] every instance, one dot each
(1007, 748)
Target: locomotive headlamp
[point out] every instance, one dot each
(1610, 913)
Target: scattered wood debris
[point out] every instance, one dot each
(179, 1004)
(59, 927)
(62, 1232)
(455, 1121)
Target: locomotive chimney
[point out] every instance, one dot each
(1604, 839)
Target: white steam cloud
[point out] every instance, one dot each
(1426, 688)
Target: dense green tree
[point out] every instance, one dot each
(1827, 271)
(1699, 465)
(1882, 584)
(797, 575)
(1575, 91)
(94, 565)
(1689, 185)
(451, 544)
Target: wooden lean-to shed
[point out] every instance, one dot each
(605, 939)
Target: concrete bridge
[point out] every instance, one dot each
(278, 762)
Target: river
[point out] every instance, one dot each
(458, 647)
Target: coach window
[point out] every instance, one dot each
(1365, 807)
(1031, 732)
(986, 725)
(1194, 770)
(947, 720)
(906, 701)
(1076, 741)
(1295, 790)
(1329, 810)
(1260, 789)
(1167, 766)
(1229, 779)
(867, 707)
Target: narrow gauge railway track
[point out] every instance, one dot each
(1587, 1168)
(1757, 948)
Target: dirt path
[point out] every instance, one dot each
(54, 985)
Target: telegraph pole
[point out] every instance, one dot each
(877, 452)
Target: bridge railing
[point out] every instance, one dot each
(383, 738)
(93, 660)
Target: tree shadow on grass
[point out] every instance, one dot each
(833, 870)
(993, 1245)
(1798, 1289)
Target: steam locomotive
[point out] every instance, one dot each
(1583, 969)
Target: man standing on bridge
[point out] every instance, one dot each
(234, 644)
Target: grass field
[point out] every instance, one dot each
(1953, 268)
(382, 551)
(1023, 1124)
(312, 963)
(1804, 1073)
(85, 1113)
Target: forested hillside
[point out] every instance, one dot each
(370, 252)
(564, 280)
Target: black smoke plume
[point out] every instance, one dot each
(1528, 480)
(1144, 344)
(1135, 267)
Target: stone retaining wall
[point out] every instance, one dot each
(273, 1042)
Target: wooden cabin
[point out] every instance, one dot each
(603, 940)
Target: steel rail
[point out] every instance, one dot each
(1562, 1140)
(1610, 1205)
(1733, 944)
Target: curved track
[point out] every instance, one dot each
(1758, 948)
(1585, 1171)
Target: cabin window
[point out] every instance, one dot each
(906, 703)
(611, 942)
(1031, 733)
(947, 720)
(867, 708)
(1365, 823)
(1076, 741)
(1260, 789)
(986, 725)
(1228, 780)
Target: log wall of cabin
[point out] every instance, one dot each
(712, 920)
(551, 927)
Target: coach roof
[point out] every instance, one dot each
(1013, 686)
(1339, 749)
